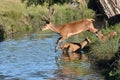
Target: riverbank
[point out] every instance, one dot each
(106, 54)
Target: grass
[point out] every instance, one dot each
(17, 18)
(101, 49)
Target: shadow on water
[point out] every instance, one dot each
(32, 57)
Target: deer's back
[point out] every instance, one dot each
(76, 27)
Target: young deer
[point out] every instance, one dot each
(69, 29)
(106, 36)
(72, 51)
(75, 47)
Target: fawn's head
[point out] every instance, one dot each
(113, 33)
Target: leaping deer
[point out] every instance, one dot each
(69, 29)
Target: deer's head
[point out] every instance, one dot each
(47, 26)
(47, 18)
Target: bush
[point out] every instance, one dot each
(107, 49)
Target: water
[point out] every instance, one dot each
(33, 58)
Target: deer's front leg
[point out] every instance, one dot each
(58, 42)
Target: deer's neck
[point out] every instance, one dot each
(55, 28)
(83, 44)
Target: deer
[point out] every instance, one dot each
(73, 51)
(69, 29)
(75, 47)
(107, 36)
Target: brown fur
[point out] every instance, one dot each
(107, 36)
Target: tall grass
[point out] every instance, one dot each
(16, 17)
(107, 49)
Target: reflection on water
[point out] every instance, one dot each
(77, 70)
(33, 58)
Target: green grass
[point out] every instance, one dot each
(107, 49)
(16, 17)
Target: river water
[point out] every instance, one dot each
(32, 57)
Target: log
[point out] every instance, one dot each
(110, 7)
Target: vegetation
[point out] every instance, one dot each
(105, 52)
(100, 50)
(41, 2)
(18, 18)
